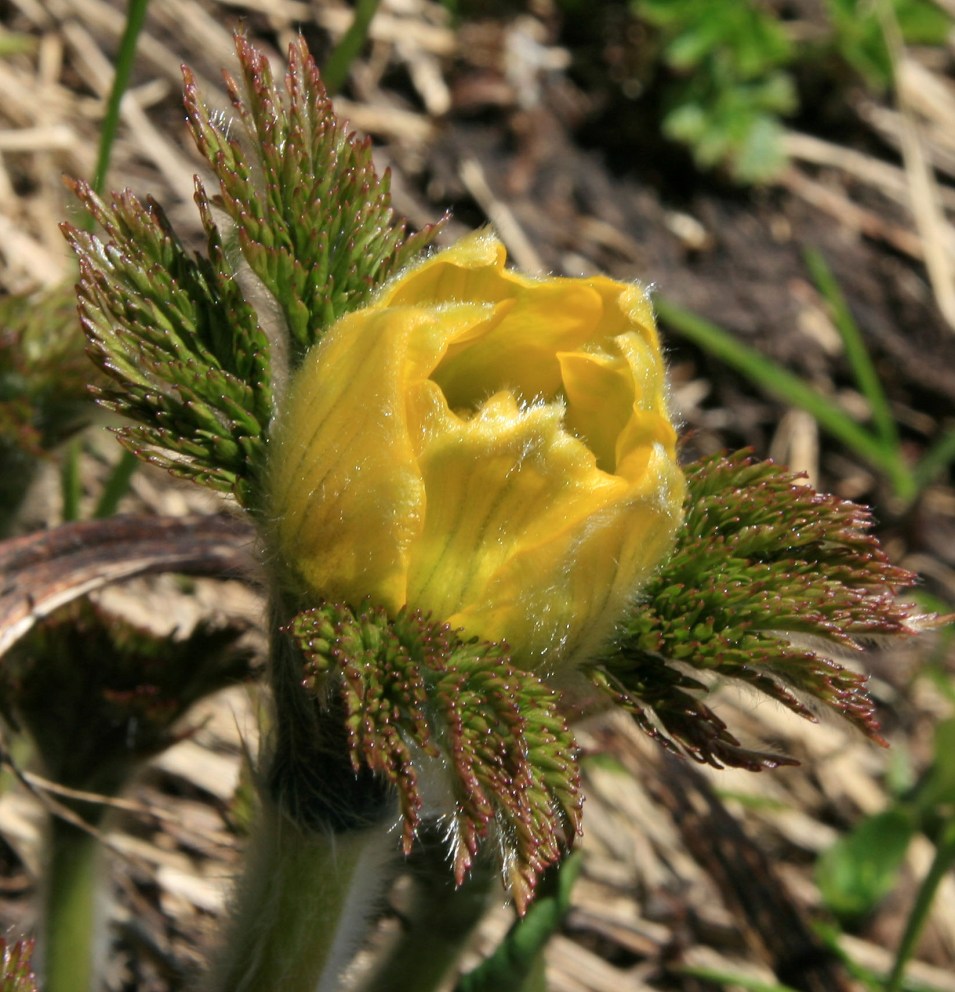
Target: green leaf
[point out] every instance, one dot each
(763, 567)
(746, 37)
(174, 331)
(860, 37)
(419, 701)
(861, 868)
(860, 41)
(726, 120)
(934, 797)
(192, 364)
(312, 218)
(16, 973)
(760, 154)
(732, 86)
(922, 22)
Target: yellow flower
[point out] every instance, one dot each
(489, 447)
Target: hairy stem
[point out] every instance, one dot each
(318, 860)
(441, 917)
(302, 907)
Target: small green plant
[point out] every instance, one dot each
(89, 696)
(859, 36)
(424, 445)
(731, 86)
(861, 868)
(44, 375)
(96, 697)
(730, 70)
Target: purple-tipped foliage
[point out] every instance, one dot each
(193, 366)
(765, 575)
(419, 700)
(313, 219)
(16, 972)
(173, 331)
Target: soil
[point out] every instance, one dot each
(519, 118)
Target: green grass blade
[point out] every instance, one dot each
(135, 18)
(856, 352)
(335, 70)
(117, 485)
(70, 485)
(517, 963)
(789, 388)
(941, 865)
(938, 457)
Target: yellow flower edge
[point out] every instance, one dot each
(487, 447)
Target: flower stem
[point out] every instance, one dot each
(319, 856)
(73, 931)
(302, 906)
(442, 917)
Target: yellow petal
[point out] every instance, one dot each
(544, 550)
(599, 391)
(471, 270)
(492, 448)
(344, 469)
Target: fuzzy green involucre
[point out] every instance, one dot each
(195, 345)
(184, 353)
(313, 220)
(762, 567)
(422, 702)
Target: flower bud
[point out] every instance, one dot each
(488, 447)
